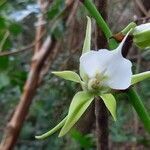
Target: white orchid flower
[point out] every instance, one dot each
(100, 71)
(106, 68)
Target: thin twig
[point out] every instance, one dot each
(73, 12)
(17, 51)
(40, 25)
(29, 47)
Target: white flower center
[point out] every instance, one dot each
(96, 82)
(93, 84)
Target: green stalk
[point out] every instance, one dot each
(133, 96)
(136, 102)
(100, 21)
(128, 28)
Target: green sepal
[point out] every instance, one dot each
(140, 77)
(53, 130)
(68, 75)
(110, 102)
(87, 40)
(86, 45)
(79, 104)
(142, 39)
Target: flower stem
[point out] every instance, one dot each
(136, 102)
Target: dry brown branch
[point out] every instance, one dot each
(40, 25)
(73, 12)
(16, 122)
(51, 58)
(39, 29)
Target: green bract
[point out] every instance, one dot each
(110, 102)
(141, 35)
(91, 85)
(79, 104)
(68, 75)
(87, 41)
(140, 77)
(56, 128)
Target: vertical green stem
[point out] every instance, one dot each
(136, 102)
(100, 21)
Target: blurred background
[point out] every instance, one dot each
(65, 21)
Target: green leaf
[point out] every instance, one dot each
(50, 132)
(4, 80)
(68, 75)
(55, 9)
(85, 141)
(110, 103)
(87, 40)
(52, 13)
(4, 63)
(140, 77)
(79, 104)
(2, 23)
(15, 29)
(58, 29)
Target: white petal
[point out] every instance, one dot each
(118, 73)
(111, 64)
(95, 62)
(119, 70)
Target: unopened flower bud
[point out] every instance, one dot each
(141, 35)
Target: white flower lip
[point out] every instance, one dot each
(116, 70)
